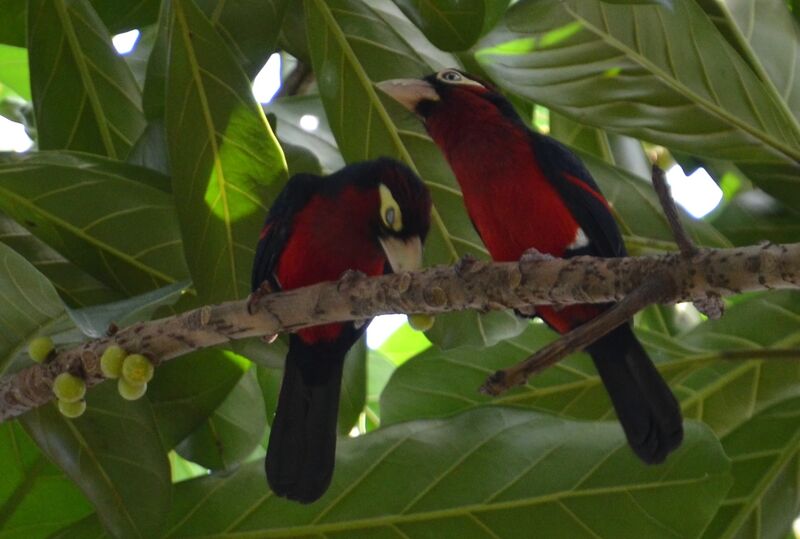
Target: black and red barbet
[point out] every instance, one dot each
(370, 217)
(525, 190)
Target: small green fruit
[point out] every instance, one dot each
(69, 388)
(72, 409)
(421, 322)
(111, 361)
(137, 369)
(39, 348)
(130, 391)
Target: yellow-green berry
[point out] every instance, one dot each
(72, 409)
(137, 369)
(111, 361)
(421, 322)
(130, 391)
(69, 388)
(39, 348)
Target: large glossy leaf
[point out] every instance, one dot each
(289, 111)
(354, 386)
(113, 453)
(754, 216)
(250, 27)
(640, 215)
(188, 389)
(768, 38)
(95, 321)
(720, 392)
(226, 163)
(84, 94)
(85, 208)
(453, 25)
(74, 285)
(232, 432)
(683, 87)
(28, 484)
(487, 473)
(765, 455)
(29, 304)
(14, 70)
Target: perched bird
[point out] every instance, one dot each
(525, 190)
(370, 217)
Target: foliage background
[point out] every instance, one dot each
(151, 175)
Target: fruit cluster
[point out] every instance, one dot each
(133, 371)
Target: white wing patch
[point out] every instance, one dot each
(581, 240)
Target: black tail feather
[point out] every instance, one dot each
(302, 442)
(646, 408)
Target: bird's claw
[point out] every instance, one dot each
(534, 255)
(252, 303)
(349, 278)
(465, 264)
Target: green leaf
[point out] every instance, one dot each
(76, 287)
(188, 389)
(250, 28)
(84, 94)
(404, 344)
(711, 388)
(765, 456)
(754, 216)
(123, 15)
(288, 111)
(639, 214)
(683, 86)
(95, 321)
(226, 163)
(379, 370)
(353, 395)
(85, 207)
(114, 454)
(494, 472)
(665, 3)
(232, 432)
(36, 498)
(12, 30)
(14, 70)
(29, 304)
(453, 25)
(768, 38)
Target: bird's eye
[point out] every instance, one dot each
(390, 211)
(451, 76)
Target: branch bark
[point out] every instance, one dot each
(477, 285)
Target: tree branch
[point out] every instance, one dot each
(479, 285)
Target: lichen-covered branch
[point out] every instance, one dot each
(535, 280)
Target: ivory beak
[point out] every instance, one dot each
(409, 92)
(403, 255)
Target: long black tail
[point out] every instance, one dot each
(302, 442)
(645, 406)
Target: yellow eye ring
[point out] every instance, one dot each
(391, 216)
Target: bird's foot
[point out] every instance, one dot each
(534, 255)
(252, 303)
(349, 279)
(465, 264)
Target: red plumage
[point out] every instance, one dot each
(317, 229)
(524, 190)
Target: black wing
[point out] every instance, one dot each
(576, 187)
(278, 227)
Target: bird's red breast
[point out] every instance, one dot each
(513, 205)
(327, 241)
